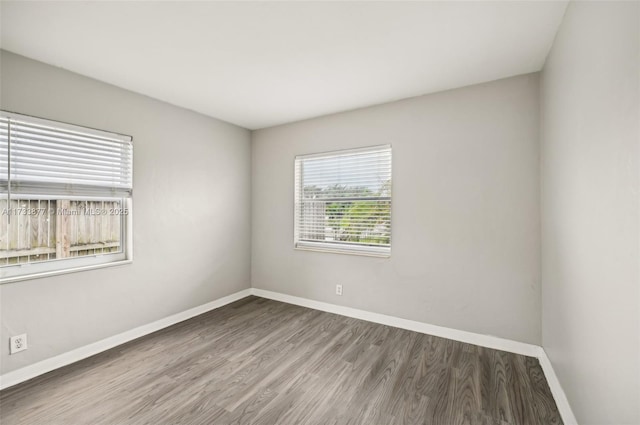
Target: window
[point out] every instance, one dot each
(65, 197)
(343, 201)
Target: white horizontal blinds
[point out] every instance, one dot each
(4, 153)
(344, 198)
(45, 157)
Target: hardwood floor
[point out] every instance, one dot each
(263, 362)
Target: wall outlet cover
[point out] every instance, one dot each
(17, 343)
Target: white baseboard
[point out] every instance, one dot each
(411, 325)
(28, 372)
(463, 336)
(556, 389)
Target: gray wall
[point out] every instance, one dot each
(590, 214)
(191, 215)
(465, 250)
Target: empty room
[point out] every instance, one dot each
(320, 212)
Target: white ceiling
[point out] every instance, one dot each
(259, 64)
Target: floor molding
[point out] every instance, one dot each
(556, 389)
(488, 341)
(28, 372)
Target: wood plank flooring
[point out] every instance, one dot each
(263, 362)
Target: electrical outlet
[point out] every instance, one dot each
(18, 343)
(338, 289)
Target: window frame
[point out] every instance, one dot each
(26, 271)
(339, 247)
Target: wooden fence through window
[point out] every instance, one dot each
(47, 229)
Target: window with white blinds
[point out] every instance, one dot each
(65, 194)
(343, 201)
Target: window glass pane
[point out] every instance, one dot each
(343, 199)
(65, 191)
(41, 229)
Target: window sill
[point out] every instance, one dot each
(38, 275)
(337, 250)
